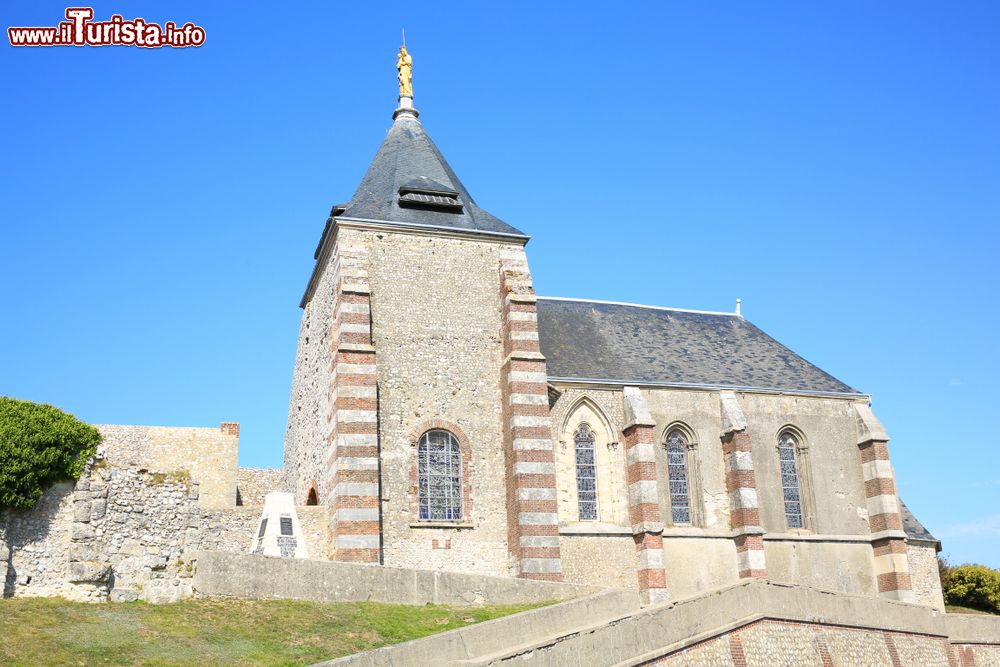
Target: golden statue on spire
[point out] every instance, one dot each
(404, 64)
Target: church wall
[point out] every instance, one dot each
(309, 405)
(700, 412)
(436, 329)
(833, 566)
(833, 470)
(924, 573)
(608, 560)
(602, 412)
(697, 556)
(697, 564)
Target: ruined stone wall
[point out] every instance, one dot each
(924, 573)
(4, 554)
(119, 531)
(208, 454)
(125, 533)
(254, 483)
(130, 526)
(435, 305)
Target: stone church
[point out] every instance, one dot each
(451, 419)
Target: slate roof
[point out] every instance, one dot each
(913, 528)
(623, 343)
(408, 158)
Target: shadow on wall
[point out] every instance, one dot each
(24, 528)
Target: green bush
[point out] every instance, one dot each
(39, 445)
(975, 586)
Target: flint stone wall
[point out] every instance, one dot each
(309, 407)
(119, 532)
(208, 454)
(130, 526)
(252, 484)
(924, 574)
(232, 530)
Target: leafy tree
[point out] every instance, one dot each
(39, 445)
(975, 586)
(945, 568)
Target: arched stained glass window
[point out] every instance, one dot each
(586, 473)
(439, 474)
(787, 445)
(677, 477)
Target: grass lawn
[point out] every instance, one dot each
(218, 631)
(955, 609)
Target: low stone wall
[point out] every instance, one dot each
(253, 484)
(4, 555)
(129, 528)
(121, 532)
(262, 577)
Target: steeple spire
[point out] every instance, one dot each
(404, 68)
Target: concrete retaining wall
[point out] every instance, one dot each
(249, 576)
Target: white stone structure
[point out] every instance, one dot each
(279, 532)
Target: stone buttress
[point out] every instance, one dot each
(352, 480)
(533, 520)
(741, 485)
(643, 497)
(892, 568)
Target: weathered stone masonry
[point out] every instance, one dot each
(892, 569)
(352, 480)
(532, 514)
(131, 526)
(741, 484)
(643, 497)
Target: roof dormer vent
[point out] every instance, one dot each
(427, 194)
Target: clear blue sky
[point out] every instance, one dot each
(837, 166)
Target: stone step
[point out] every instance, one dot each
(476, 643)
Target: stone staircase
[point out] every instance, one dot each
(754, 622)
(494, 642)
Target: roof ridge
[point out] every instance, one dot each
(641, 305)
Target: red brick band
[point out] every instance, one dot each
(744, 510)
(532, 512)
(892, 569)
(643, 500)
(352, 476)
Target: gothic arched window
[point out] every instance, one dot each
(677, 476)
(586, 473)
(439, 476)
(787, 446)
